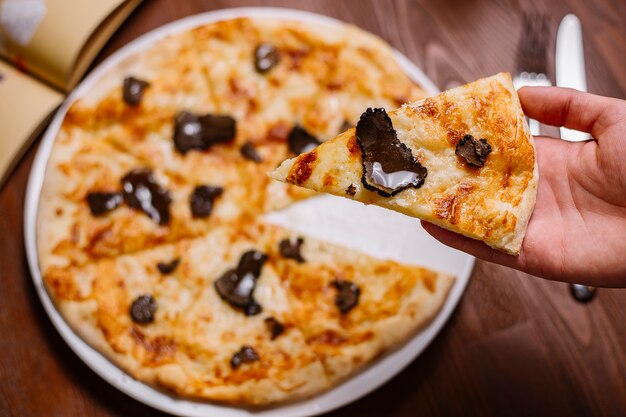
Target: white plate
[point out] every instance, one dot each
(382, 233)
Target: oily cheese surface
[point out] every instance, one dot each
(492, 203)
(96, 265)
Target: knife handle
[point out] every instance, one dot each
(572, 135)
(533, 125)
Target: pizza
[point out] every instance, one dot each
(463, 160)
(150, 234)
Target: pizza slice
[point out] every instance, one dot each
(463, 160)
(350, 307)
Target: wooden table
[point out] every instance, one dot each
(516, 345)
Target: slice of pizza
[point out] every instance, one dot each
(463, 160)
(350, 307)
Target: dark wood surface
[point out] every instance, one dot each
(516, 344)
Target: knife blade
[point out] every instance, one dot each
(570, 65)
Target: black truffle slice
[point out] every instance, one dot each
(290, 248)
(248, 151)
(388, 165)
(168, 267)
(142, 192)
(301, 141)
(143, 308)
(275, 327)
(474, 152)
(246, 354)
(347, 295)
(202, 198)
(188, 132)
(132, 90)
(102, 203)
(193, 131)
(266, 57)
(218, 129)
(236, 286)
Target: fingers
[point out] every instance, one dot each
(471, 246)
(570, 108)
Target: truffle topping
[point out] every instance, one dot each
(266, 57)
(388, 165)
(347, 295)
(143, 308)
(193, 131)
(142, 192)
(168, 267)
(246, 354)
(202, 198)
(102, 203)
(290, 248)
(473, 151)
(275, 327)
(249, 152)
(236, 286)
(132, 90)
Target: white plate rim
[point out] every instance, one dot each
(358, 386)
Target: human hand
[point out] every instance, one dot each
(577, 232)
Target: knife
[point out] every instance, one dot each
(570, 72)
(570, 65)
